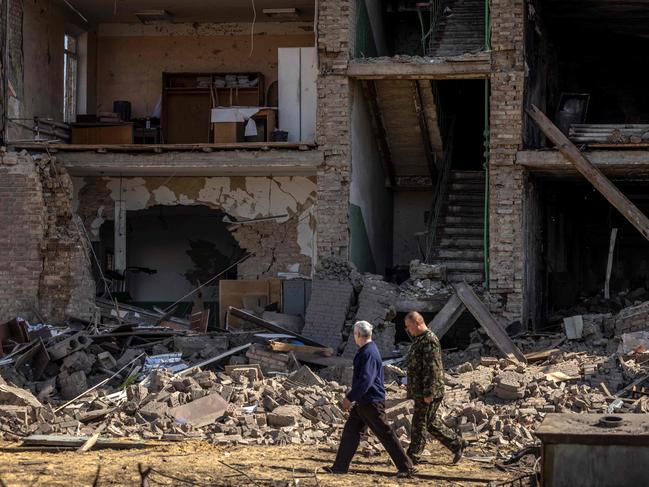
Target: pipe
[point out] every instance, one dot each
(487, 29)
(485, 229)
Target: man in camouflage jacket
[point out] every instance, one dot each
(426, 387)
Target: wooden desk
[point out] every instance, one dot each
(228, 132)
(102, 133)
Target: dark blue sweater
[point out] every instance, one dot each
(367, 382)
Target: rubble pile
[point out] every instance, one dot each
(237, 407)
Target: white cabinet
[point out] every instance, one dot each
(298, 70)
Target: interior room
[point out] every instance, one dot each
(594, 47)
(170, 250)
(168, 72)
(575, 235)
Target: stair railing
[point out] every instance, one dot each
(439, 191)
(436, 7)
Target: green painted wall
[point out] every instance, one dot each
(361, 252)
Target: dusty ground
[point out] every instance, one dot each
(199, 463)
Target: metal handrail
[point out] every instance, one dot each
(439, 191)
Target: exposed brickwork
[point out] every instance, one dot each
(327, 311)
(506, 181)
(335, 28)
(66, 285)
(376, 305)
(275, 243)
(42, 264)
(275, 246)
(630, 319)
(22, 224)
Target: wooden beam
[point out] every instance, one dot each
(477, 66)
(380, 133)
(447, 316)
(496, 332)
(590, 172)
(609, 264)
(423, 128)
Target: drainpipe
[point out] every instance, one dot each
(485, 229)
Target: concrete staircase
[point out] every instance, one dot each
(460, 28)
(459, 236)
(401, 122)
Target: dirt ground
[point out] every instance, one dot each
(199, 463)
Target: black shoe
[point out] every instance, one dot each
(458, 452)
(406, 474)
(333, 470)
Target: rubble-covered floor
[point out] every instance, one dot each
(199, 463)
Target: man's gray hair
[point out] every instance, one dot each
(363, 328)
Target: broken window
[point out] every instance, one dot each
(70, 69)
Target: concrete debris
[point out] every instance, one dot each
(419, 270)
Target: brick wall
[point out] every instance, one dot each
(43, 265)
(333, 134)
(506, 180)
(66, 286)
(275, 245)
(22, 226)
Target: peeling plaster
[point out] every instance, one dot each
(240, 197)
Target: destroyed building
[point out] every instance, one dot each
(401, 134)
(309, 163)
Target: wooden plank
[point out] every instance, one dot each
(591, 173)
(77, 441)
(290, 347)
(540, 356)
(497, 334)
(447, 316)
(272, 326)
(475, 67)
(90, 442)
(609, 264)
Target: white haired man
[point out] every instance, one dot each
(366, 403)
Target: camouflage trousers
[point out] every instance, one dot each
(425, 420)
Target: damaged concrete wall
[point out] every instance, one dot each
(506, 179)
(333, 134)
(410, 210)
(43, 37)
(43, 265)
(370, 201)
(132, 58)
(278, 244)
